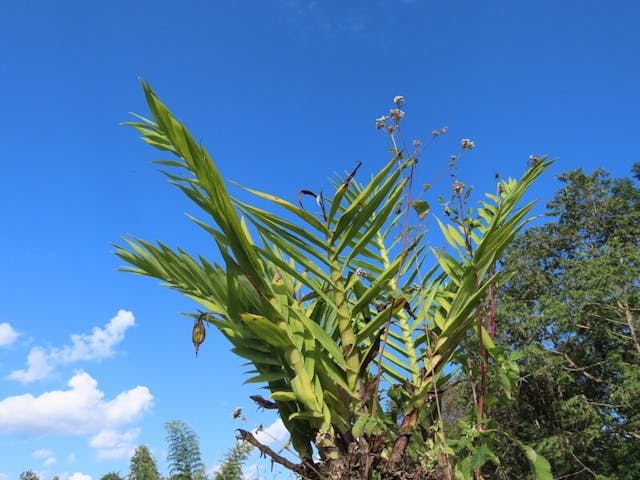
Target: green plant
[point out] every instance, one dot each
(231, 467)
(185, 461)
(143, 465)
(336, 312)
(29, 475)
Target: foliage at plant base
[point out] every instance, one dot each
(573, 309)
(342, 311)
(184, 458)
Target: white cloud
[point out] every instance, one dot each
(38, 367)
(95, 346)
(276, 432)
(4, 476)
(7, 334)
(45, 454)
(111, 445)
(80, 410)
(99, 344)
(79, 476)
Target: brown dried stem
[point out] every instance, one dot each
(299, 468)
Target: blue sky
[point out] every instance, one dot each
(284, 94)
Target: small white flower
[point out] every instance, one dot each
(381, 122)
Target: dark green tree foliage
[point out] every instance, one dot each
(185, 461)
(231, 468)
(573, 308)
(29, 475)
(143, 465)
(111, 476)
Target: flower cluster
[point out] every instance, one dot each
(467, 144)
(457, 187)
(441, 131)
(395, 114)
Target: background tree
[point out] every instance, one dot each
(573, 309)
(111, 476)
(29, 475)
(143, 465)
(339, 312)
(185, 461)
(231, 468)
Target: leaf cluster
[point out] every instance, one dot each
(335, 313)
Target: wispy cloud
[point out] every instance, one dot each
(42, 453)
(276, 432)
(310, 15)
(7, 334)
(97, 345)
(46, 455)
(38, 367)
(80, 410)
(111, 445)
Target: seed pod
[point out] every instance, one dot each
(198, 334)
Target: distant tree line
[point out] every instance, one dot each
(184, 458)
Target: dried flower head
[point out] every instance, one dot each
(417, 143)
(467, 144)
(440, 131)
(391, 129)
(198, 333)
(360, 272)
(381, 122)
(396, 115)
(398, 100)
(457, 187)
(533, 159)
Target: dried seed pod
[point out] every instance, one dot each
(198, 333)
(263, 402)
